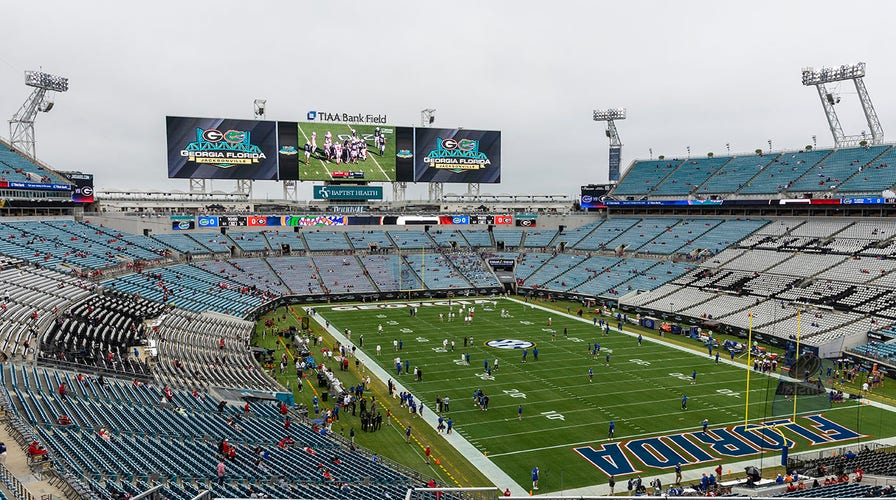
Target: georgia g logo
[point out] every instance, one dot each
(509, 344)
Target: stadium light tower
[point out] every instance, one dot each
(609, 116)
(21, 125)
(260, 108)
(854, 72)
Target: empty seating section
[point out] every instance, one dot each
(47, 246)
(608, 284)
(757, 260)
(216, 242)
(679, 235)
(179, 447)
(819, 228)
(97, 237)
(474, 269)
(884, 351)
(609, 230)
(281, 241)
(722, 236)
(777, 175)
(191, 356)
(98, 333)
(182, 243)
(411, 239)
(30, 297)
(582, 272)
(190, 288)
(480, 238)
(367, 240)
(390, 272)
(342, 274)
(688, 176)
(297, 273)
(643, 176)
(15, 167)
(554, 267)
(539, 239)
(253, 272)
(326, 241)
(836, 168)
(654, 276)
(806, 264)
(572, 236)
(249, 242)
(448, 238)
(512, 238)
(641, 233)
(735, 174)
(875, 177)
(528, 263)
(436, 271)
(859, 270)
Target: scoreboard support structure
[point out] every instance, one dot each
(436, 190)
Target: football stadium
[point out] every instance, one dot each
(293, 321)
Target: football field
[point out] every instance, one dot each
(378, 168)
(564, 425)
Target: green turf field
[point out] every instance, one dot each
(375, 168)
(640, 390)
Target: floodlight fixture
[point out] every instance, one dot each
(46, 81)
(812, 76)
(604, 115)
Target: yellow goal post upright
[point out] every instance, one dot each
(400, 266)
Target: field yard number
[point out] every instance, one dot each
(728, 392)
(421, 339)
(381, 316)
(608, 351)
(680, 376)
(574, 339)
(439, 349)
(515, 393)
(406, 330)
(391, 322)
(549, 330)
(527, 323)
(486, 376)
(640, 362)
(552, 415)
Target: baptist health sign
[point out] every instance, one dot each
(348, 192)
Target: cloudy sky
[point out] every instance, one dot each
(690, 73)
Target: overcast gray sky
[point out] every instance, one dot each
(691, 73)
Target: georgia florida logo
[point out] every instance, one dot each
(222, 149)
(457, 155)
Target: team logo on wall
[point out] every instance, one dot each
(457, 155)
(509, 344)
(222, 149)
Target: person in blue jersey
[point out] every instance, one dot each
(535, 475)
(612, 431)
(684, 402)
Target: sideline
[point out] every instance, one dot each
(488, 468)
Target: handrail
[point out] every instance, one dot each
(149, 493)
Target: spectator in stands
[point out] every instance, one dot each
(222, 471)
(63, 390)
(36, 451)
(3, 453)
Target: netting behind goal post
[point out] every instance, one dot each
(803, 391)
